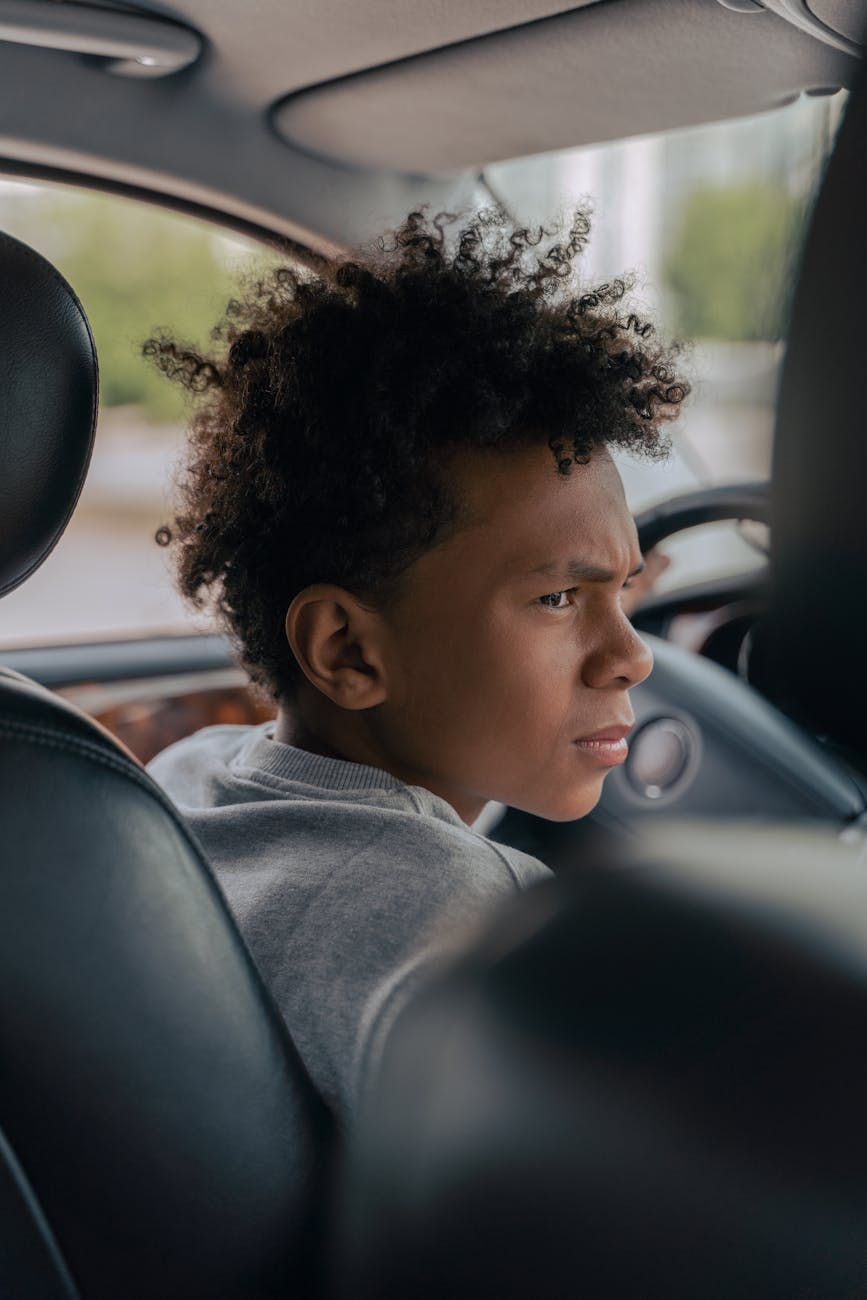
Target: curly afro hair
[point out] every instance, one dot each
(325, 417)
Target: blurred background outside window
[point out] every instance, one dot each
(711, 219)
(136, 269)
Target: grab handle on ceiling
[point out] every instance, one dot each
(134, 45)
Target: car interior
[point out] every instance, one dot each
(148, 1083)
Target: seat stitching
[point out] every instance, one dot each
(89, 749)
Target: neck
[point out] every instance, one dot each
(353, 745)
(291, 729)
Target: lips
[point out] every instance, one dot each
(608, 745)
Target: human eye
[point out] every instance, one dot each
(555, 599)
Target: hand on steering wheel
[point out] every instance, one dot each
(655, 564)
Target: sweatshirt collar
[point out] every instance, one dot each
(299, 765)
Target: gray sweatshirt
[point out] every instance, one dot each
(345, 882)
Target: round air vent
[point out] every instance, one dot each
(661, 756)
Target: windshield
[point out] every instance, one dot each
(711, 219)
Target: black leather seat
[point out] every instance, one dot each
(644, 1081)
(158, 1135)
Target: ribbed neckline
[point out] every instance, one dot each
(299, 765)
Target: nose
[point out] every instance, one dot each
(620, 658)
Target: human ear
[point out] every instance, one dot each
(337, 643)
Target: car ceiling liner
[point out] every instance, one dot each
(325, 123)
(809, 653)
(610, 70)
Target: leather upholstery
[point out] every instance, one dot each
(48, 407)
(149, 1090)
(158, 1134)
(809, 649)
(643, 1082)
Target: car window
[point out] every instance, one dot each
(711, 219)
(136, 269)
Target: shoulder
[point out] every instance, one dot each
(526, 869)
(221, 740)
(435, 854)
(182, 767)
(521, 868)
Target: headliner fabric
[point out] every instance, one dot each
(845, 16)
(207, 138)
(608, 71)
(270, 47)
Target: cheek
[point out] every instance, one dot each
(475, 702)
(466, 653)
(530, 676)
(444, 680)
(543, 667)
(499, 676)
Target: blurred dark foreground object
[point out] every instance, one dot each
(645, 1081)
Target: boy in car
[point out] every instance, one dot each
(401, 503)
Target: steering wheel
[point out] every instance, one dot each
(703, 506)
(741, 501)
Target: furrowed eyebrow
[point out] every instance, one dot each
(581, 571)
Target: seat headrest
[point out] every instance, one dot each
(48, 405)
(646, 1079)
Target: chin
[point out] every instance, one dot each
(569, 807)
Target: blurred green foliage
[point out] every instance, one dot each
(136, 269)
(732, 266)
